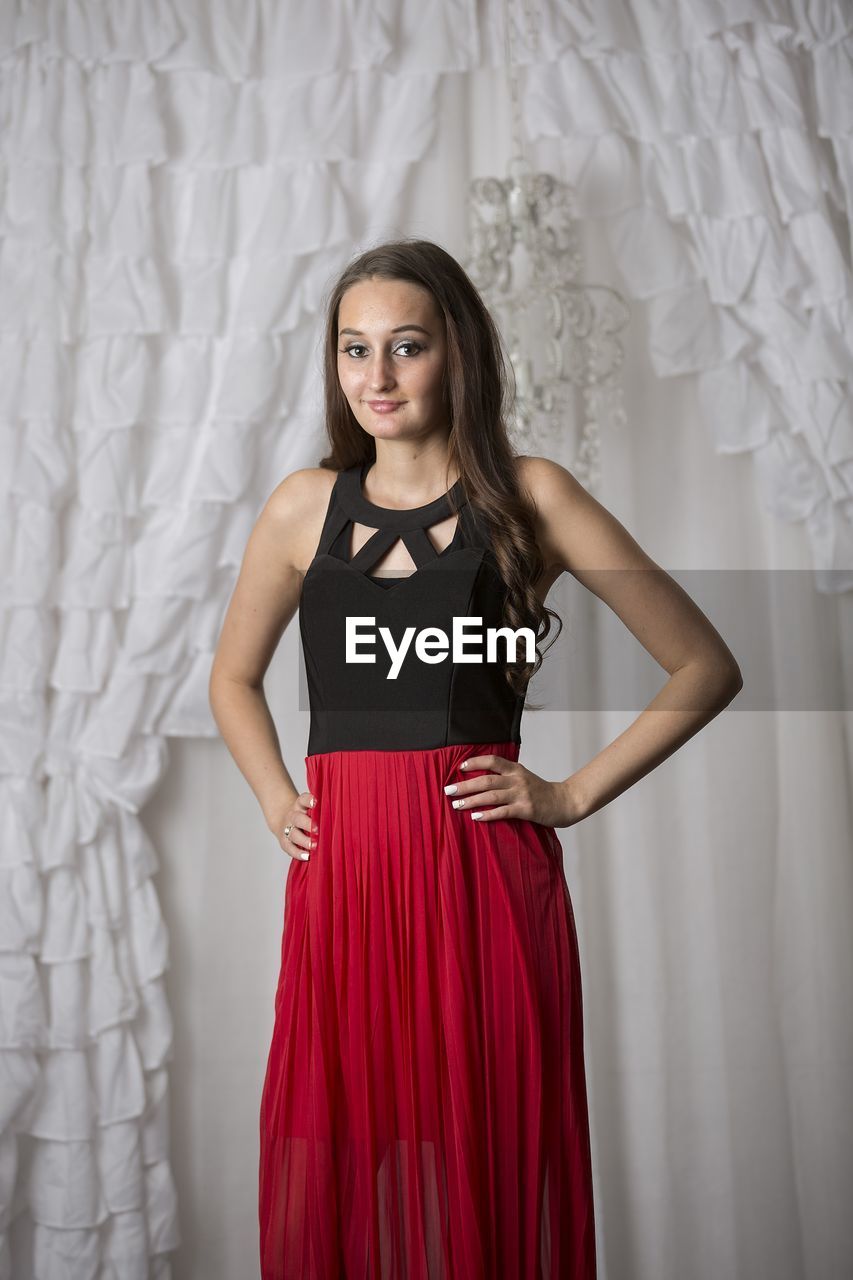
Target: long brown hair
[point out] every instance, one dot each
(477, 399)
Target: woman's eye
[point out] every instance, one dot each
(359, 346)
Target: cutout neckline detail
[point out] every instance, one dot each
(389, 526)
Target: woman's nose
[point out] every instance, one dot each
(380, 375)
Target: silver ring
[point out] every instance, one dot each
(288, 829)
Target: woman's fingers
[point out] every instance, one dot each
(302, 834)
(297, 841)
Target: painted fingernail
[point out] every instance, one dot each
(476, 815)
(450, 789)
(304, 856)
(458, 804)
(464, 764)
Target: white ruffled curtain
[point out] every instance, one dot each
(714, 140)
(181, 183)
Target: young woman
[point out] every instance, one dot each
(424, 1111)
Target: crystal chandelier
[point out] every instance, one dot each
(560, 333)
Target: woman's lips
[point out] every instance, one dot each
(385, 406)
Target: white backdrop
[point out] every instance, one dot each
(181, 183)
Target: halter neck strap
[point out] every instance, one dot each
(358, 508)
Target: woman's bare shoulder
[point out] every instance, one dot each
(301, 486)
(298, 507)
(558, 502)
(537, 476)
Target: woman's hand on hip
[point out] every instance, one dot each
(512, 791)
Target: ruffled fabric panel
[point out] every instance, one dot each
(712, 143)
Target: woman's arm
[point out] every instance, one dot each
(264, 600)
(577, 533)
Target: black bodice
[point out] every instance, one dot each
(434, 703)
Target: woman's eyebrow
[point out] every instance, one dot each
(399, 329)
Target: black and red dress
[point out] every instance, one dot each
(424, 1110)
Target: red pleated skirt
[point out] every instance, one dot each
(424, 1109)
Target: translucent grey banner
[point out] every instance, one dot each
(793, 643)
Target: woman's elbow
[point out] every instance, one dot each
(730, 682)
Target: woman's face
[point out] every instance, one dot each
(392, 348)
